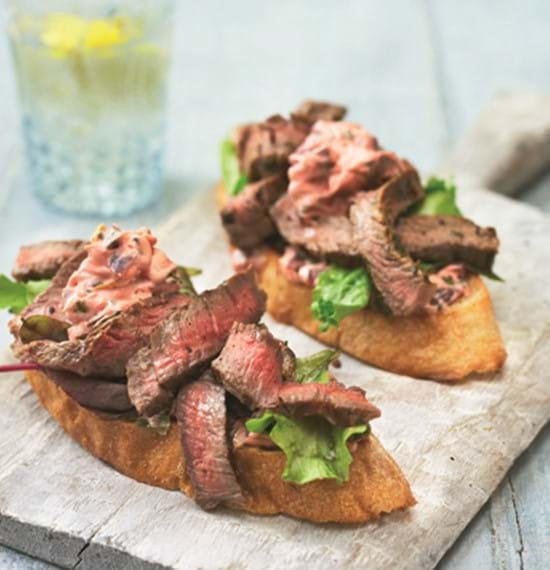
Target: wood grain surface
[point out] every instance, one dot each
(417, 73)
(454, 443)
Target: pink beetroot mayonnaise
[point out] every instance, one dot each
(337, 158)
(121, 268)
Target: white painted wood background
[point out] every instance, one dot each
(415, 72)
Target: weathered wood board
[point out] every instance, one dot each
(509, 144)
(454, 442)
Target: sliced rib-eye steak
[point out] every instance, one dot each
(42, 260)
(202, 422)
(403, 286)
(327, 236)
(195, 335)
(146, 394)
(250, 365)
(315, 110)
(246, 217)
(96, 393)
(289, 363)
(341, 406)
(263, 148)
(448, 239)
(106, 348)
(192, 337)
(50, 302)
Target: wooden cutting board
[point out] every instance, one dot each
(454, 442)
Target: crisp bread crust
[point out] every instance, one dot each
(376, 484)
(455, 343)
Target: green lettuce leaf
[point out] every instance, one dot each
(233, 178)
(338, 293)
(489, 274)
(159, 424)
(183, 276)
(314, 448)
(261, 424)
(191, 271)
(15, 296)
(314, 368)
(440, 198)
(432, 267)
(43, 327)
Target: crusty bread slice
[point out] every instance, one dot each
(461, 340)
(376, 483)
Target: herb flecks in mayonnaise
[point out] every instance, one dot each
(121, 269)
(336, 160)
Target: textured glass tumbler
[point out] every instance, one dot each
(92, 81)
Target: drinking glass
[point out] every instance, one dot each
(91, 77)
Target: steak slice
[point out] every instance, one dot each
(326, 236)
(246, 217)
(190, 338)
(289, 363)
(448, 239)
(49, 302)
(146, 394)
(202, 423)
(106, 348)
(325, 233)
(43, 260)
(96, 393)
(315, 110)
(341, 406)
(403, 286)
(250, 365)
(263, 148)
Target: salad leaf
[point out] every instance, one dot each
(429, 267)
(338, 293)
(183, 277)
(440, 198)
(314, 448)
(42, 327)
(261, 424)
(314, 368)
(489, 274)
(15, 296)
(191, 271)
(233, 178)
(159, 424)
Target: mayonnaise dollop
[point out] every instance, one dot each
(338, 158)
(121, 269)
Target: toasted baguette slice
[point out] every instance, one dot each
(461, 340)
(376, 484)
